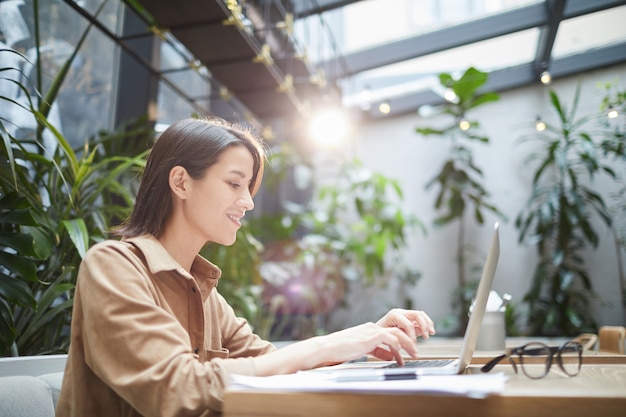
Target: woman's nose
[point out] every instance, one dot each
(246, 202)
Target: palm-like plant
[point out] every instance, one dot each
(53, 208)
(460, 179)
(558, 219)
(55, 202)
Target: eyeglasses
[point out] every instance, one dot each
(569, 357)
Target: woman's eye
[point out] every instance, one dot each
(233, 184)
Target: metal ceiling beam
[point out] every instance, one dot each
(575, 8)
(547, 35)
(527, 17)
(509, 78)
(308, 8)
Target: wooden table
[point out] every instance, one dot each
(599, 390)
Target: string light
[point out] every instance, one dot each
(540, 125)
(450, 95)
(546, 78)
(612, 114)
(384, 108)
(464, 124)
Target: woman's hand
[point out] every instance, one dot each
(386, 340)
(385, 343)
(413, 323)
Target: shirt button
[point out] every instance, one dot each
(193, 289)
(196, 350)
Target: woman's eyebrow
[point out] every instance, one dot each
(238, 173)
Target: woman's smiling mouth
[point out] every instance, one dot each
(235, 219)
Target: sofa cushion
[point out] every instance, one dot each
(25, 396)
(54, 381)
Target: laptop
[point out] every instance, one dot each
(389, 370)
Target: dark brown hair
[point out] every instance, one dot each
(196, 145)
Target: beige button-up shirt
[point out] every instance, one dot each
(148, 338)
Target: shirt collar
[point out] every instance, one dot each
(159, 259)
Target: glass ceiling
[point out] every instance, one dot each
(371, 23)
(421, 73)
(374, 22)
(583, 33)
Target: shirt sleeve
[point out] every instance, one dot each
(139, 350)
(237, 336)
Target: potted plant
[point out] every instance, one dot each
(55, 202)
(613, 145)
(460, 180)
(557, 218)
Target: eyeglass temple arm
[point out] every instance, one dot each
(489, 365)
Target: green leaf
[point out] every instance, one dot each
(79, 235)
(19, 265)
(6, 141)
(16, 291)
(485, 98)
(465, 88)
(7, 327)
(20, 217)
(22, 243)
(426, 131)
(13, 201)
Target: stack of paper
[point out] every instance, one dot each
(476, 386)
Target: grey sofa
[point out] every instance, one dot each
(30, 386)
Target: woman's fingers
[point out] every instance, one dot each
(395, 340)
(414, 323)
(423, 325)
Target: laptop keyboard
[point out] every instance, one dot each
(421, 363)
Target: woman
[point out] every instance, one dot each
(150, 333)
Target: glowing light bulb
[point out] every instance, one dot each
(545, 78)
(612, 114)
(449, 94)
(540, 126)
(384, 108)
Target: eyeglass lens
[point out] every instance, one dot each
(535, 360)
(570, 358)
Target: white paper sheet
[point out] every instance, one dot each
(475, 386)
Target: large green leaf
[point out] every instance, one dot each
(23, 267)
(6, 143)
(7, 326)
(21, 217)
(16, 291)
(22, 243)
(471, 80)
(43, 244)
(79, 235)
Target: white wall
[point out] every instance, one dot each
(392, 147)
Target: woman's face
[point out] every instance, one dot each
(219, 200)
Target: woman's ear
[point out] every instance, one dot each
(178, 181)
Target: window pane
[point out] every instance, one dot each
(375, 22)
(590, 31)
(83, 104)
(420, 73)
